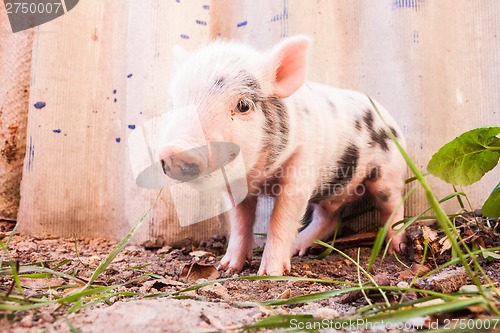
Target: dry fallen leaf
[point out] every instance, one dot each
(419, 269)
(41, 283)
(405, 275)
(445, 244)
(192, 272)
(286, 294)
(429, 234)
(199, 254)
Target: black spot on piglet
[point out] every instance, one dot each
(341, 175)
(357, 125)
(380, 137)
(368, 120)
(347, 164)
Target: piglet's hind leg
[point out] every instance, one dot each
(388, 200)
(322, 226)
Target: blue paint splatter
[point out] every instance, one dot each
(407, 4)
(114, 91)
(39, 105)
(129, 76)
(283, 19)
(200, 22)
(131, 126)
(280, 17)
(118, 139)
(242, 24)
(56, 131)
(206, 7)
(184, 36)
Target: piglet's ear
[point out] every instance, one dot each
(287, 63)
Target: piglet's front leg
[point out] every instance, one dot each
(289, 207)
(240, 246)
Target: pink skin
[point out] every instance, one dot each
(240, 246)
(322, 226)
(316, 139)
(283, 225)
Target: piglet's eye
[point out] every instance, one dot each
(244, 106)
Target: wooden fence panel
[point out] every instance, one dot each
(434, 65)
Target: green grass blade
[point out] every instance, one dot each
(42, 270)
(312, 296)
(23, 307)
(405, 314)
(112, 255)
(280, 321)
(357, 265)
(401, 314)
(380, 239)
(74, 297)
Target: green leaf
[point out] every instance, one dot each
(466, 159)
(491, 207)
(489, 255)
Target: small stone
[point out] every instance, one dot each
(27, 321)
(46, 317)
(217, 245)
(94, 259)
(402, 284)
(216, 290)
(448, 280)
(164, 250)
(470, 288)
(326, 313)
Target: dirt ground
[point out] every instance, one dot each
(218, 307)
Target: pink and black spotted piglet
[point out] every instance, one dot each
(308, 144)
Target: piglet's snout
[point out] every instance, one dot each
(183, 164)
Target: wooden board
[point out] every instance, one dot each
(434, 65)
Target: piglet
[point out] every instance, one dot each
(308, 144)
